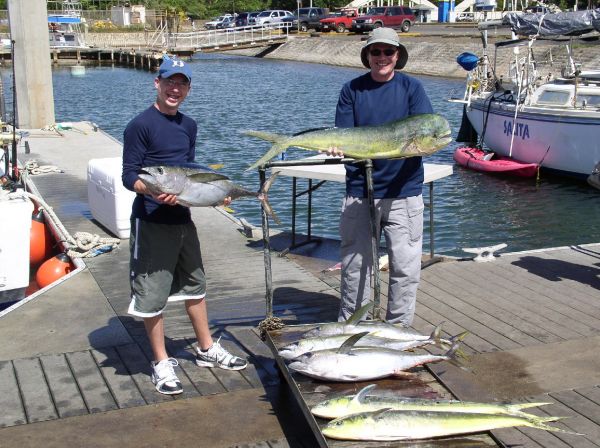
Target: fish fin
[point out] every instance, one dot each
(359, 314)
(206, 177)
(278, 147)
(539, 424)
(350, 342)
(263, 197)
(275, 150)
(268, 136)
(216, 166)
(436, 334)
(359, 397)
(228, 210)
(519, 406)
(377, 414)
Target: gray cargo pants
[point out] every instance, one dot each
(402, 223)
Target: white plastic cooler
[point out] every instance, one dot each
(110, 202)
(15, 228)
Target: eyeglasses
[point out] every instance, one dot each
(179, 84)
(387, 52)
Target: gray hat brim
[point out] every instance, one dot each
(402, 53)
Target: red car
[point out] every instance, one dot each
(340, 22)
(391, 16)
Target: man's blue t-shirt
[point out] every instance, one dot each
(153, 138)
(365, 102)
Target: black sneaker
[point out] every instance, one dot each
(164, 378)
(218, 356)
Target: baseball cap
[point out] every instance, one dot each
(384, 36)
(170, 67)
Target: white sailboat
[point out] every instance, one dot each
(543, 112)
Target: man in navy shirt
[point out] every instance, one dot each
(165, 262)
(375, 98)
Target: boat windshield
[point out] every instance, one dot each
(554, 97)
(588, 100)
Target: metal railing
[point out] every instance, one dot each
(228, 37)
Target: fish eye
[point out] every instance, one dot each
(160, 171)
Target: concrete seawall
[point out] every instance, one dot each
(428, 54)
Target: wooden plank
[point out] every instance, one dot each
(36, 397)
(124, 389)
(512, 437)
(509, 313)
(63, 386)
(13, 412)
(204, 380)
(94, 389)
(474, 321)
(177, 349)
(261, 370)
(138, 367)
(518, 300)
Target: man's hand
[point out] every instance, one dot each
(227, 201)
(333, 151)
(163, 198)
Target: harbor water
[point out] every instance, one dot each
(231, 94)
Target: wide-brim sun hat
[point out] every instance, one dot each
(384, 36)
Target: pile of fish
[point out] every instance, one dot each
(357, 350)
(417, 135)
(388, 418)
(199, 186)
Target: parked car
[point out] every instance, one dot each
(212, 24)
(246, 18)
(340, 21)
(390, 16)
(227, 22)
(288, 21)
(310, 18)
(271, 16)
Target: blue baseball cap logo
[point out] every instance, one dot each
(170, 67)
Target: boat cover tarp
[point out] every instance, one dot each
(571, 23)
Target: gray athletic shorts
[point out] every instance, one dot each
(165, 264)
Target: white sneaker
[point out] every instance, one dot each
(164, 378)
(218, 356)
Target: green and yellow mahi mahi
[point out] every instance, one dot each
(363, 402)
(389, 424)
(417, 135)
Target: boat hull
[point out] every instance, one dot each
(563, 141)
(473, 158)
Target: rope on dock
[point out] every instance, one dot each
(269, 324)
(80, 245)
(34, 168)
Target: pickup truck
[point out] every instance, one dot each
(309, 18)
(340, 21)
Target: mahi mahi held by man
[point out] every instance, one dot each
(198, 186)
(417, 135)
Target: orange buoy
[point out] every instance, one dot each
(40, 240)
(53, 269)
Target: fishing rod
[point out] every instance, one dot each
(15, 168)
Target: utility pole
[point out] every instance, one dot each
(32, 64)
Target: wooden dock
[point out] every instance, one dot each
(75, 364)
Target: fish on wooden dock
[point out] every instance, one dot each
(363, 402)
(390, 424)
(198, 186)
(416, 135)
(349, 363)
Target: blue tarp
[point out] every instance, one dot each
(64, 19)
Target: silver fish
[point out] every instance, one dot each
(196, 186)
(304, 345)
(349, 363)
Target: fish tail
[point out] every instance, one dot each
(264, 198)
(539, 423)
(278, 146)
(520, 406)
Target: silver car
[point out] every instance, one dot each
(271, 16)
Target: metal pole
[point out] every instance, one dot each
(374, 241)
(294, 211)
(308, 233)
(431, 249)
(266, 253)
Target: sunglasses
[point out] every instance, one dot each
(172, 83)
(387, 52)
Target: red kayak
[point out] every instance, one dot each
(491, 163)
